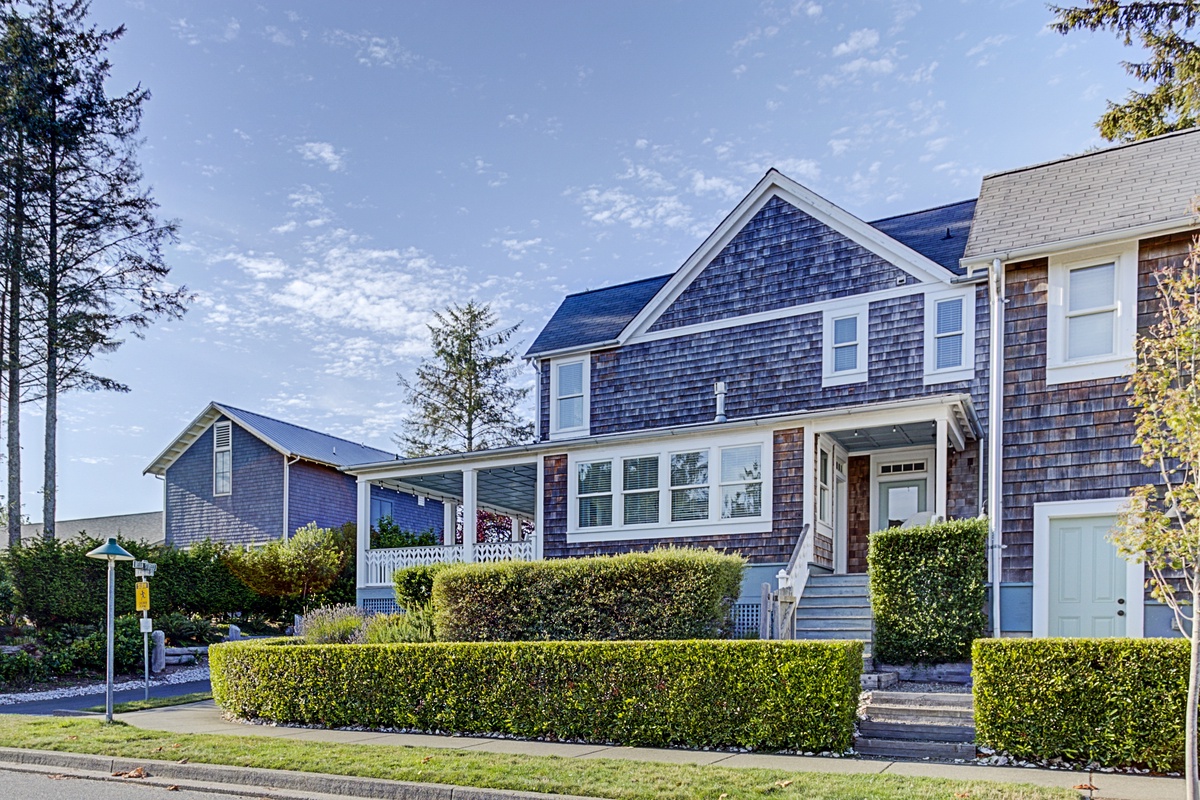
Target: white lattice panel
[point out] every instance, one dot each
(504, 551)
(380, 564)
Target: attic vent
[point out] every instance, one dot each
(223, 436)
(894, 469)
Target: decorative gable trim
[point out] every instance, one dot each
(194, 431)
(776, 184)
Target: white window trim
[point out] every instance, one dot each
(862, 329)
(966, 371)
(1060, 369)
(582, 430)
(616, 505)
(665, 528)
(903, 455)
(658, 488)
(671, 489)
(1135, 577)
(216, 451)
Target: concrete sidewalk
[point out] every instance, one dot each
(206, 718)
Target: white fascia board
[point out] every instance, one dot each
(982, 262)
(776, 184)
(256, 434)
(571, 351)
(194, 431)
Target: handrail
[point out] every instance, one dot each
(791, 567)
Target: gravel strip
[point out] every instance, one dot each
(186, 675)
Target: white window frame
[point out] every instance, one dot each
(665, 528)
(1060, 369)
(903, 455)
(615, 496)
(721, 483)
(217, 451)
(966, 370)
(582, 430)
(862, 330)
(667, 512)
(657, 489)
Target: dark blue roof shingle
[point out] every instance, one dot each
(939, 234)
(596, 316)
(306, 443)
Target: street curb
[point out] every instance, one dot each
(309, 782)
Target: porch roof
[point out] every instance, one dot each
(511, 488)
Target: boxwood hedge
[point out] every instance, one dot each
(927, 591)
(1117, 702)
(664, 594)
(796, 695)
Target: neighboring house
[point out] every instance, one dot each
(146, 527)
(806, 378)
(242, 478)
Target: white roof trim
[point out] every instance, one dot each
(776, 184)
(195, 430)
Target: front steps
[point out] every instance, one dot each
(839, 607)
(918, 725)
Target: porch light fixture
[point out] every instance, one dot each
(112, 552)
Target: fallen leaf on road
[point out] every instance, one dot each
(137, 772)
(172, 788)
(57, 777)
(1087, 787)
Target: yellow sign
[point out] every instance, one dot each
(143, 596)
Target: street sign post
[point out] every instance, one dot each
(144, 570)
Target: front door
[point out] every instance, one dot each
(901, 501)
(1087, 578)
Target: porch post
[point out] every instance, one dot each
(940, 471)
(809, 479)
(539, 502)
(516, 529)
(449, 522)
(364, 529)
(470, 513)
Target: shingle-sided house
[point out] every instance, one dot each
(243, 478)
(806, 378)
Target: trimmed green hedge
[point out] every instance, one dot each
(762, 695)
(414, 585)
(1118, 702)
(928, 591)
(664, 594)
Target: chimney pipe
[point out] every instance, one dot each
(719, 389)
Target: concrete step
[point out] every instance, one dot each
(837, 601)
(925, 699)
(874, 729)
(856, 579)
(900, 748)
(835, 612)
(833, 590)
(871, 681)
(833, 633)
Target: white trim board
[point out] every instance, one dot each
(1135, 582)
(776, 184)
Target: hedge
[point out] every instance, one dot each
(414, 585)
(664, 594)
(760, 695)
(928, 591)
(1116, 702)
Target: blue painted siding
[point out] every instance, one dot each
(253, 512)
(409, 514)
(330, 498)
(781, 257)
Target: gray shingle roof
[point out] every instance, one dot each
(939, 234)
(596, 316)
(1129, 186)
(307, 443)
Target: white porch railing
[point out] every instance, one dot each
(380, 564)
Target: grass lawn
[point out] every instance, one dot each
(598, 778)
(154, 702)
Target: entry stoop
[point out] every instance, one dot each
(839, 607)
(918, 725)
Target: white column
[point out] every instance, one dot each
(449, 522)
(364, 529)
(810, 479)
(940, 471)
(516, 529)
(538, 504)
(470, 513)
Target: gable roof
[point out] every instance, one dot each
(939, 234)
(293, 441)
(595, 316)
(1123, 191)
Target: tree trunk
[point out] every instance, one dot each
(49, 480)
(13, 334)
(1191, 778)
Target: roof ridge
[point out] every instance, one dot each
(1089, 154)
(619, 285)
(302, 427)
(924, 210)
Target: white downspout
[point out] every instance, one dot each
(286, 495)
(996, 434)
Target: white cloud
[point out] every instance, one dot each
(322, 152)
(517, 248)
(278, 36)
(866, 66)
(380, 51)
(702, 185)
(799, 168)
(984, 48)
(259, 267)
(494, 177)
(286, 227)
(863, 39)
(839, 146)
(615, 205)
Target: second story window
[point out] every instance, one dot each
(222, 458)
(949, 335)
(569, 397)
(1091, 314)
(1091, 311)
(845, 346)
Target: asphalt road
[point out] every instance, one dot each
(48, 707)
(34, 786)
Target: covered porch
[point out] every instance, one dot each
(507, 490)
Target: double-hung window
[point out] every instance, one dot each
(1091, 314)
(569, 397)
(741, 481)
(689, 486)
(949, 336)
(824, 501)
(845, 346)
(594, 494)
(639, 490)
(380, 509)
(222, 458)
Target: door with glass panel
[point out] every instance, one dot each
(902, 494)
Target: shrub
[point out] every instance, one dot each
(181, 630)
(330, 624)
(304, 565)
(91, 652)
(665, 594)
(196, 581)
(387, 533)
(414, 625)
(927, 591)
(414, 585)
(1117, 702)
(21, 668)
(799, 695)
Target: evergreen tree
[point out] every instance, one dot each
(462, 397)
(1172, 66)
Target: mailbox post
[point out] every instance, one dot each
(144, 570)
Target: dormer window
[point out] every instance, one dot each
(845, 346)
(569, 402)
(1091, 309)
(222, 459)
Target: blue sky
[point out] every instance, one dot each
(342, 170)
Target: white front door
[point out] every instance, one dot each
(1087, 579)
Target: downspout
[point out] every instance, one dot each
(996, 434)
(287, 494)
